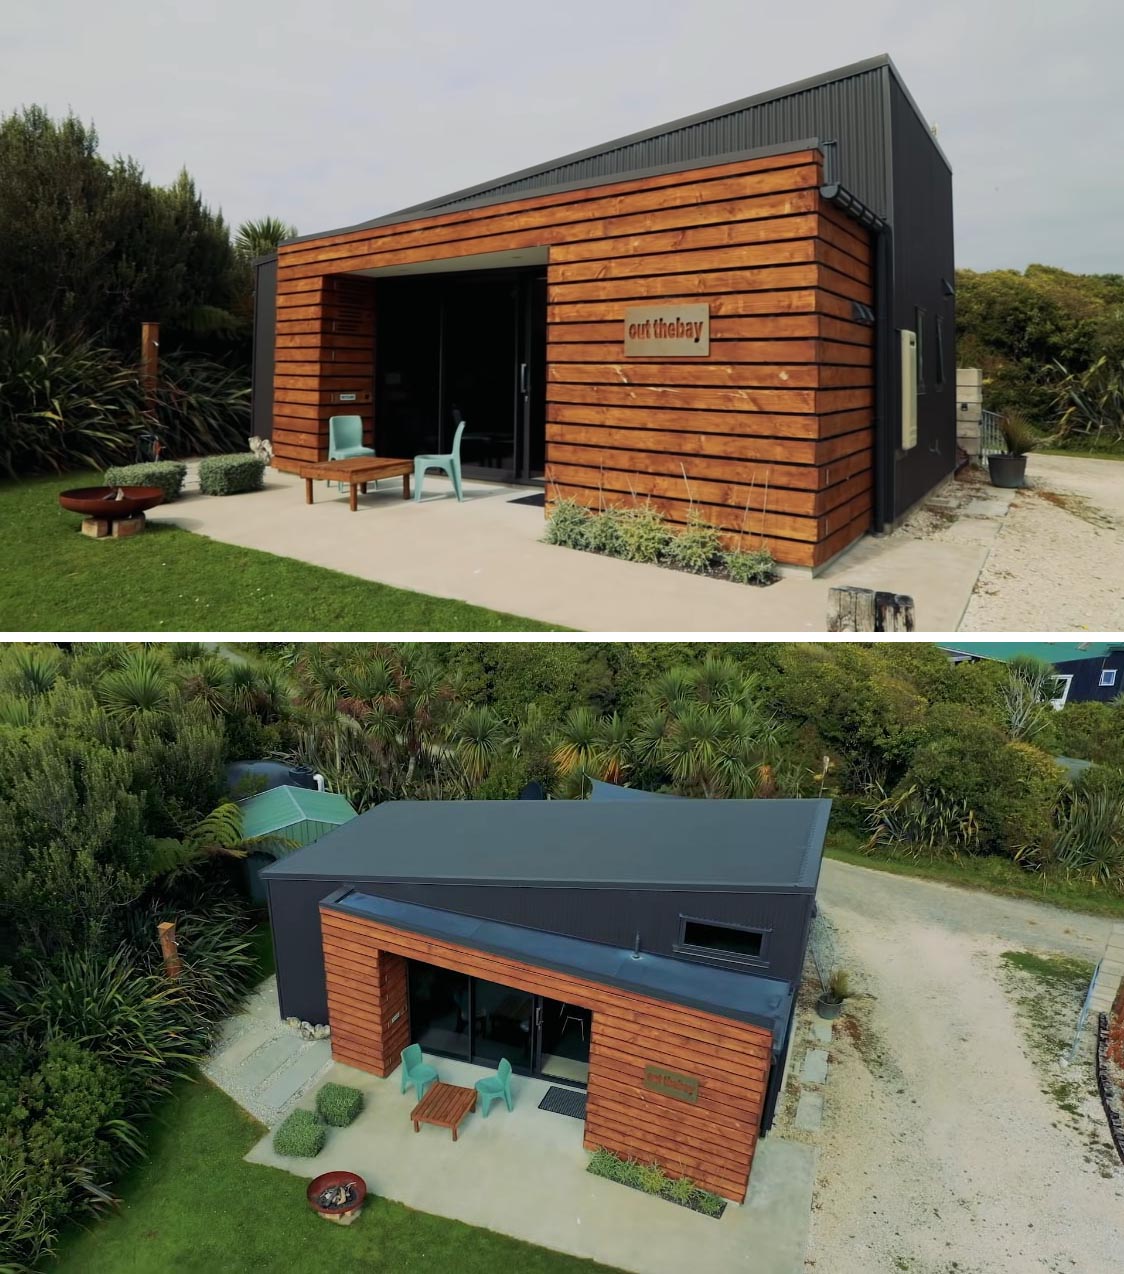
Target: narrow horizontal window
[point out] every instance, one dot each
(724, 939)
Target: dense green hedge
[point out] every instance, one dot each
(168, 475)
(231, 475)
(300, 1135)
(338, 1104)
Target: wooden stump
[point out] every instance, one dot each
(863, 610)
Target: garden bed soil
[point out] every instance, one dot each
(691, 1205)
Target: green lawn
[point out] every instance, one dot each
(995, 875)
(56, 579)
(194, 1207)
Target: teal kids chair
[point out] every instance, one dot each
(451, 464)
(345, 440)
(415, 1071)
(494, 1087)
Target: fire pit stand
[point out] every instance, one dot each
(117, 512)
(337, 1196)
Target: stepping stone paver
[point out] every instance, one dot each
(809, 1111)
(822, 1030)
(241, 1048)
(815, 1066)
(287, 1083)
(259, 1066)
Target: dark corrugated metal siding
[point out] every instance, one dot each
(265, 315)
(597, 915)
(923, 259)
(848, 111)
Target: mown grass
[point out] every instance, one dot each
(170, 580)
(195, 1207)
(994, 875)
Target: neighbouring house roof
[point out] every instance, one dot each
(282, 807)
(753, 845)
(1054, 652)
(749, 997)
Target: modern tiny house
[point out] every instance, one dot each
(649, 950)
(748, 311)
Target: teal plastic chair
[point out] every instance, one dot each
(494, 1087)
(345, 440)
(451, 464)
(415, 1071)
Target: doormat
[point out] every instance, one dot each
(564, 1101)
(538, 499)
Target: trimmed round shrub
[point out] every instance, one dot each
(646, 534)
(568, 524)
(168, 475)
(696, 548)
(605, 533)
(758, 566)
(301, 1135)
(337, 1104)
(231, 475)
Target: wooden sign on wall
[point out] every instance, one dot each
(669, 331)
(658, 1079)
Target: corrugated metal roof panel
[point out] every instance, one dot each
(283, 807)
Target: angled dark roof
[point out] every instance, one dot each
(696, 844)
(748, 997)
(846, 106)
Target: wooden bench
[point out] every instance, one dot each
(356, 472)
(444, 1105)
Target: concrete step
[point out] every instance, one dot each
(268, 1059)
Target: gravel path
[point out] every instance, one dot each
(940, 1153)
(1056, 563)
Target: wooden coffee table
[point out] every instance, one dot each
(444, 1105)
(356, 472)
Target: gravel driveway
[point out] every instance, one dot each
(1056, 564)
(940, 1153)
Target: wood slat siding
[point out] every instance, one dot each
(745, 434)
(712, 1141)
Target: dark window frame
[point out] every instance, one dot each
(940, 351)
(715, 955)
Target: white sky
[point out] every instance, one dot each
(327, 112)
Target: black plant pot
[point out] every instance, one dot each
(1007, 470)
(829, 1008)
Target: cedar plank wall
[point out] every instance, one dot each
(773, 429)
(711, 1142)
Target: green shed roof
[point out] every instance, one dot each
(281, 807)
(1054, 652)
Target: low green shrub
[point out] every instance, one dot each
(168, 475)
(337, 1104)
(757, 566)
(568, 524)
(697, 548)
(605, 533)
(231, 474)
(652, 1179)
(300, 1135)
(646, 534)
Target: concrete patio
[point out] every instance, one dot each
(523, 1174)
(488, 551)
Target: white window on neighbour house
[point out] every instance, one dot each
(1108, 677)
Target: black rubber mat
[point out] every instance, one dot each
(538, 499)
(564, 1101)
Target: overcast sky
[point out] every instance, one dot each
(327, 112)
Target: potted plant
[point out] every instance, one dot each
(1008, 469)
(830, 1004)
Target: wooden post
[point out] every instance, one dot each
(862, 610)
(169, 948)
(150, 364)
